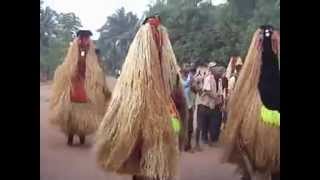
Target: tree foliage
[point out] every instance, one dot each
(115, 37)
(199, 30)
(56, 31)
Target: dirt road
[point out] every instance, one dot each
(61, 162)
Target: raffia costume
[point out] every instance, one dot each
(252, 134)
(79, 92)
(234, 75)
(230, 77)
(231, 67)
(138, 135)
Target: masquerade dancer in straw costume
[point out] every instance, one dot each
(80, 94)
(252, 134)
(234, 74)
(228, 83)
(139, 133)
(231, 66)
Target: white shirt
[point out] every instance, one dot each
(208, 97)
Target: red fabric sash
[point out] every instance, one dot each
(78, 92)
(156, 34)
(175, 98)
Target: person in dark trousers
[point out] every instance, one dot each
(187, 77)
(215, 125)
(206, 113)
(218, 72)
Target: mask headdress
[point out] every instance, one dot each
(83, 41)
(269, 82)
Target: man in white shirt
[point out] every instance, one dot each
(207, 99)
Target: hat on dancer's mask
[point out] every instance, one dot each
(84, 33)
(212, 64)
(156, 16)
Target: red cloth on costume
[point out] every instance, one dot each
(78, 92)
(154, 22)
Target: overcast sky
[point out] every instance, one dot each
(93, 13)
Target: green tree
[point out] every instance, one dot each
(266, 12)
(200, 31)
(48, 26)
(192, 28)
(55, 35)
(53, 58)
(116, 35)
(69, 24)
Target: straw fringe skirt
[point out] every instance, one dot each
(260, 142)
(76, 118)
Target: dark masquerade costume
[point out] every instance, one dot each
(252, 134)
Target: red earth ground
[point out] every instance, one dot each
(61, 162)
